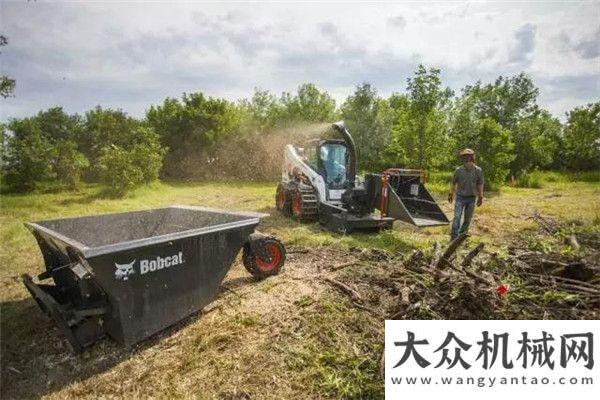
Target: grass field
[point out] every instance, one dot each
(285, 337)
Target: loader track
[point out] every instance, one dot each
(305, 206)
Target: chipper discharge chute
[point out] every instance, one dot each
(319, 181)
(130, 275)
(403, 196)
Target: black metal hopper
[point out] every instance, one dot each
(408, 200)
(132, 274)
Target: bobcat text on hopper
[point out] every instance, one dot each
(160, 263)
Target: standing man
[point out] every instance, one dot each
(467, 186)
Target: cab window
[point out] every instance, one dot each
(333, 164)
(310, 154)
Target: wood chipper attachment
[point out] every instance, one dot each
(405, 198)
(130, 275)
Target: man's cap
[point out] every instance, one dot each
(467, 152)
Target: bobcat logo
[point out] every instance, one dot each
(124, 270)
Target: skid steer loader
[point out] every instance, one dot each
(319, 182)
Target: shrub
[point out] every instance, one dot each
(149, 157)
(587, 176)
(139, 160)
(69, 163)
(533, 180)
(554, 177)
(123, 170)
(118, 171)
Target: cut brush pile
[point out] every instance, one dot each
(474, 284)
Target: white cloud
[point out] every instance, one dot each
(131, 55)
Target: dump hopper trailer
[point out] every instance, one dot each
(130, 275)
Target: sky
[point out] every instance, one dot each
(130, 55)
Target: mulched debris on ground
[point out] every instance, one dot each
(468, 282)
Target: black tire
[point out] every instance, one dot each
(260, 268)
(282, 200)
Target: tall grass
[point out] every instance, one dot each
(533, 180)
(538, 179)
(586, 176)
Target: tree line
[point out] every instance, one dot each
(200, 137)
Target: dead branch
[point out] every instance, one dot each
(578, 288)
(472, 254)
(547, 225)
(435, 259)
(373, 311)
(549, 264)
(422, 269)
(471, 275)
(345, 289)
(415, 258)
(452, 247)
(344, 265)
(560, 278)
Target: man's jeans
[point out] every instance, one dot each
(466, 206)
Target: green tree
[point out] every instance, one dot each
(106, 127)
(308, 105)
(420, 124)
(537, 139)
(56, 125)
(43, 149)
(582, 138)
(69, 163)
(7, 85)
(62, 133)
(506, 101)
(369, 120)
(190, 128)
(396, 153)
(261, 111)
(511, 103)
(123, 168)
(494, 151)
(27, 157)
(492, 144)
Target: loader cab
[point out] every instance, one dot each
(329, 159)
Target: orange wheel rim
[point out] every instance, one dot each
(275, 255)
(297, 205)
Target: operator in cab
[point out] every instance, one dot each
(333, 158)
(466, 191)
